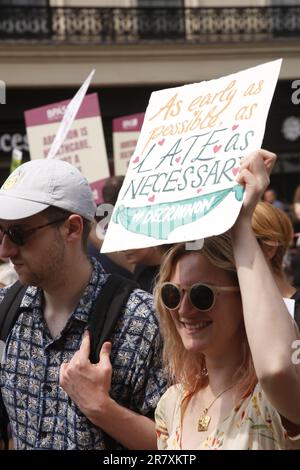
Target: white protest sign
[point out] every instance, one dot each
(180, 184)
(69, 116)
(290, 305)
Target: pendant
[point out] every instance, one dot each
(203, 422)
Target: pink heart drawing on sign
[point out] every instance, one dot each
(217, 148)
(199, 190)
(177, 159)
(234, 127)
(235, 171)
(151, 198)
(136, 160)
(161, 142)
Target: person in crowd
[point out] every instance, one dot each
(7, 273)
(274, 231)
(270, 196)
(228, 340)
(116, 262)
(296, 198)
(46, 208)
(295, 214)
(112, 263)
(295, 258)
(146, 262)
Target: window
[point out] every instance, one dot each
(161, 19)
(21, 3)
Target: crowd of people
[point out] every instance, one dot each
(207, 363)
(291, 260)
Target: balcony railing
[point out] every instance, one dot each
(153, 24)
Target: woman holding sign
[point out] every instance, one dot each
(231, 346)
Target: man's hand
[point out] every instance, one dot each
(88, 384)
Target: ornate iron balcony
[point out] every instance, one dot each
(152, 24)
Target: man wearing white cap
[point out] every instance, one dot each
(54, 397)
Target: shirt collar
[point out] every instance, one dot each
(33, 297)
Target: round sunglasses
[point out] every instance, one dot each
(18, 235)
(201, 296)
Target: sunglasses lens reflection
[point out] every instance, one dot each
(16, 235)
(170, 296)
(202, 297)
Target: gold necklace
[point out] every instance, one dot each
(204, 418)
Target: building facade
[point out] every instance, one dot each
(47, 48)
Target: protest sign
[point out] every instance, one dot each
(83, 145)
(126, 131)
(69, 116)
(180, 184)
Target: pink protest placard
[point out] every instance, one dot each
(126, 131)
(84, 145)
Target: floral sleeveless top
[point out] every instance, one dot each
(253, 425)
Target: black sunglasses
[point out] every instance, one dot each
(18, 235)
(201, 296)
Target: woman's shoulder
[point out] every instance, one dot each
(168, 409)
(174, 392)
(171, 399)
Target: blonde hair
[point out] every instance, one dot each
(185, 367)
(272, 226)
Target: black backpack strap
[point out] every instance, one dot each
(9, 312)
(106, 311)
(3, 424)
(9, 308)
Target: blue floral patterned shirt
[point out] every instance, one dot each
(41, 415)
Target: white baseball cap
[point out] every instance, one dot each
(38, 184)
